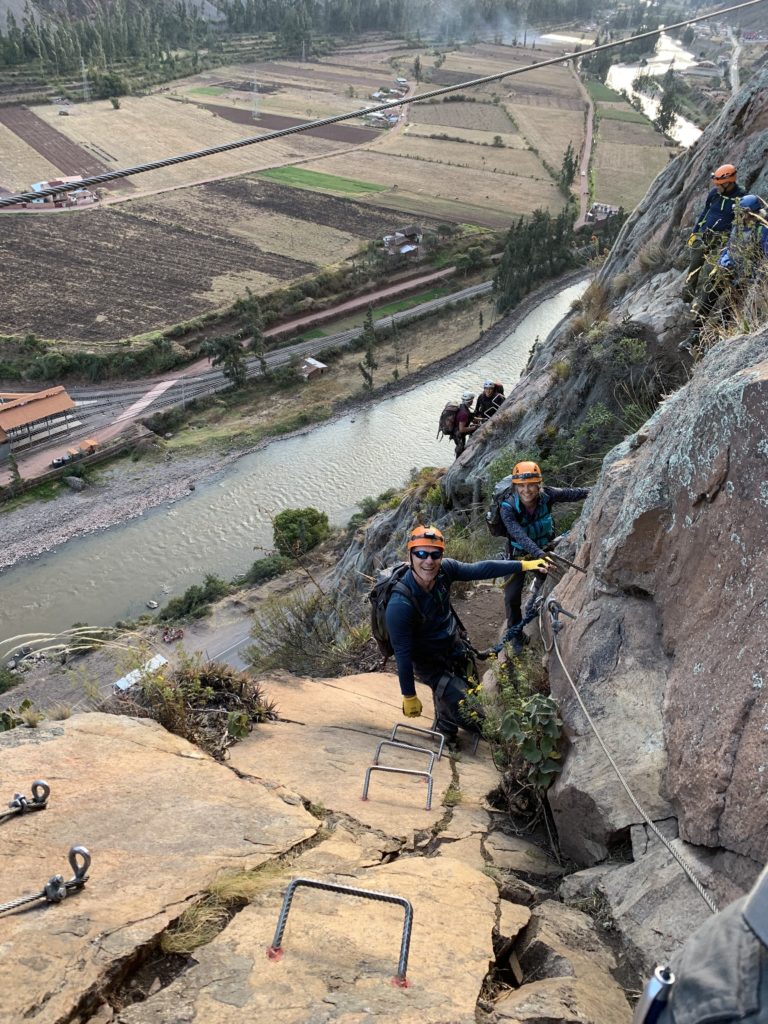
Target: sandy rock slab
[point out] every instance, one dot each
(160, 819)
(327, 739)
(567, 973)
(340, 954)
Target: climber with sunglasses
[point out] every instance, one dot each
(426, 635)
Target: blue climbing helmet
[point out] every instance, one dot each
(751, 203)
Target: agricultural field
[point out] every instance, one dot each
(140, 266)
(484, 197)
(627, 157)
(154, 127)
(188, 239)
(20, 164)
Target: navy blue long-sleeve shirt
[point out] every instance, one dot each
(423, 642)
(539, 522)
(718, 212)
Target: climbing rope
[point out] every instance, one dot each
(555, 609)
(56, 889)
(100, 179)
(22, 805)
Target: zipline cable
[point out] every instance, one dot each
(100, 179)
(681, 860)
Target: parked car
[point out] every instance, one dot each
(61, 460)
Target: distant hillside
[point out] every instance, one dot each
(68, 10)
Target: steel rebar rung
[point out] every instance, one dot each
(399, 771)
(275, 951)
(406, 746)
(425, 732)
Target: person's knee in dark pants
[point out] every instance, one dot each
(449, 692)
(513, 593)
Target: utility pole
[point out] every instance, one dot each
(255, 106)
(86, 89)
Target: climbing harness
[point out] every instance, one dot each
(555, 610)
(275, 951)
(56, 889)
(22, 804)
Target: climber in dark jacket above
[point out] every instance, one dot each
(526, 512)
(712, 226)
(424, 631)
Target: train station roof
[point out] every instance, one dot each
(40, 405)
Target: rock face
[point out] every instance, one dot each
(670, 639)
(160, 820)
(641, 282)
(561, 947)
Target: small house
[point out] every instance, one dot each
(312, 368)
(405, 241)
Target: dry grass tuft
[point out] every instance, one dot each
(197, 926)
(593, 307)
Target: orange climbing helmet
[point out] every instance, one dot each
(426, 535)
(724, 175)
(526, 473)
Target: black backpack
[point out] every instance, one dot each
(493, 518)
(387, 583)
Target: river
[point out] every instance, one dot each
(224, 525)
(669, 52)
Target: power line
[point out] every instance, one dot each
(281, 133)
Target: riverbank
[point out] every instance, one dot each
(127, 489)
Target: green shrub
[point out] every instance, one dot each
(8, 679)
(523, 723)
(630, 352)
(268, 568)
(298, 530)
(207, 702)
(301, 633)
(196, 600)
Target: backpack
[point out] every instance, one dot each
(447, 422)
(387, 582)
(493, 516)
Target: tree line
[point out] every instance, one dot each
(136, 30)
(536, 249)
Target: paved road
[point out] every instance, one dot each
(586, 152)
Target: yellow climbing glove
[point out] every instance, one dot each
(411, 707)
(535, 565)
(693, 239)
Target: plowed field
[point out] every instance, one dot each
(103, 274)
(54, 147)
(274, 122)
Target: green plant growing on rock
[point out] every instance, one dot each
(12, 718)
(534, 725)
(206, 702)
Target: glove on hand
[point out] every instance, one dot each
(411, 707)
(693, 239)
(535, 565)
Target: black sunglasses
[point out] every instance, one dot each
(434, 555)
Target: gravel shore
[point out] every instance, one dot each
(124, 491)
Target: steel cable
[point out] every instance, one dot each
(100, 179)
(681, 860)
